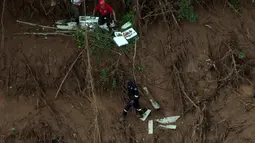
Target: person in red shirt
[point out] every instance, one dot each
(106, 13)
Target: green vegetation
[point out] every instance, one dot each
(114, 83)
(101, 47)
(241, 55)
(139, 68)
(79, 36)
(235, 4)
(186, 11)
(104, 73)
(130, 16)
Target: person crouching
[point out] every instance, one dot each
(106, 13)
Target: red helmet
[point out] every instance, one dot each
(101, 2)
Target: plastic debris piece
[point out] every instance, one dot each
(150, 127)
(88, 19)
(112, 24)
(129, 33)
(120, 41)
(65, 27)
(68, 26)
(118, 34)
(168, 120)
(241, 55)
(146, 90)
(126, 25)
(155, 104)
(168, 126)
(72, 24)
(145, 115)
(76, 1)
(105, 27)
(61, 21)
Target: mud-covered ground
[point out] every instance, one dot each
(214, 98)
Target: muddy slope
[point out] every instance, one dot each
(214, 97)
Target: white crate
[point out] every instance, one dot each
(88, 19)
(129, 33)
(120, 41)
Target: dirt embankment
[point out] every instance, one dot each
(192, 69)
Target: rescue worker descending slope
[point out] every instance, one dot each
(75, 10)
(106, 13)
(133, 94)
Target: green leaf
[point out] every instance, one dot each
(114, 85)
(241, 55)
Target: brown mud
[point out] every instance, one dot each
(213, 97)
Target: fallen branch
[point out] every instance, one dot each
(134, 60)
(79, 86)
(41, 34)
(70, 68)
(177, 24)
(234, 8)
(2, 25)
(111, 50)
(43, 8)
(36, 25)
(96, 133)
(61, 31)
(38, 85)
(157, 14)
(182, 88)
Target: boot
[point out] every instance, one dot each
(123, 116)
(139, 114)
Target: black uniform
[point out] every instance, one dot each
(105, 19)
(133, 94)
(75, 13)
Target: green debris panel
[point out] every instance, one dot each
(168, 120)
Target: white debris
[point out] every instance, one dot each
(129, 33)
(150, 127)
(168, 126)
(145, 115)
(155, 104)
(166, 123)
(168, 120)
(118, 34)
(126, 25)
(120, 41)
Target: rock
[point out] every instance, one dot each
(192, 66)
(246, 90)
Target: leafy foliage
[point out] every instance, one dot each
(139, 68)
(79, 36)
(186, 11)
(235, 4)
(104, 72)
(101, 46)
(114, 83)
(101, 41)
(130, 16)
